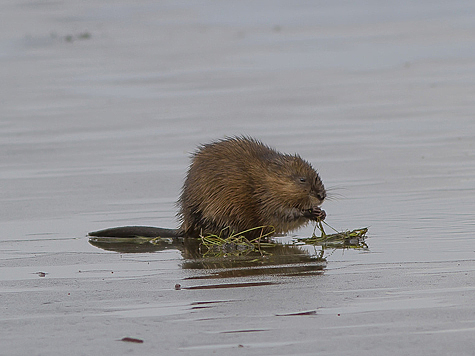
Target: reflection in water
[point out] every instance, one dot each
(232, 285)
(279, 259)
(234, 260)
(136, 244)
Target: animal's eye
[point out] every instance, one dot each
(302, 179)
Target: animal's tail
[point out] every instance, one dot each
(134, 231)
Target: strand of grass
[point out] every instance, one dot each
(212, 239)
(331, 227)
(322, 230)
(258, 240)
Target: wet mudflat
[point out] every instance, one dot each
(102, 104)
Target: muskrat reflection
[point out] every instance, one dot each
(279, 258)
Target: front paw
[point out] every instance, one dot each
(316, 214)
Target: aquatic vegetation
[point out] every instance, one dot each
(229, 243)
(236, 243)
(339, 239)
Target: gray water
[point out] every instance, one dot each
(104, 102)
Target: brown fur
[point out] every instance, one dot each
(239, 183)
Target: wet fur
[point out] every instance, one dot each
(239, 184)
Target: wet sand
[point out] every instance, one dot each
(102, 104)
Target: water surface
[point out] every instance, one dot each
(102, 105)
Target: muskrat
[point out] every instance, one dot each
(238, 184)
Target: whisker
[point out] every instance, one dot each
(332, 195)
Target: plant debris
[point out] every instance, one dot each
(340, 239)
(236, 244)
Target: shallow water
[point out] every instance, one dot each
(102, 105)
